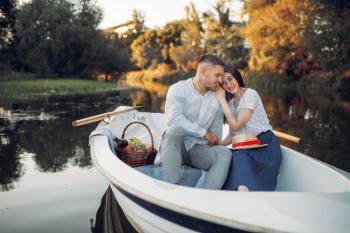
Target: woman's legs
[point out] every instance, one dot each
(255, 169)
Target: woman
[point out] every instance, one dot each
(251, 169)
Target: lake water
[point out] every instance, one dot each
(48, 182)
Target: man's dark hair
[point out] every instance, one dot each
(212, 59)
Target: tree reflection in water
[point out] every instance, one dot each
(10, 166)
(43, 128)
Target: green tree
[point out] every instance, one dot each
(115, 56)
(59, 38)
(185, 55)
(170, 37)
(327, 35)
(223, 35)
(7, 28)
(118, 55)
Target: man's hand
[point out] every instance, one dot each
(211, 138)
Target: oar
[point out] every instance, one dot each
(102, 116)
(286, 136)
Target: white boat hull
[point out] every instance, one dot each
(310, 197)
(140, 217)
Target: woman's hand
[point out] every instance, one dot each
(220, 94)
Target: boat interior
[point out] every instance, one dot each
(298, 172)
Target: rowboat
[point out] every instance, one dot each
(311, 196)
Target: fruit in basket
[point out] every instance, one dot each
(128, 148)
(136, 144)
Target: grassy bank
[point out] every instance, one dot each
(58, 87)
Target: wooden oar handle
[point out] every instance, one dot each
(102, 116)
(286, 136)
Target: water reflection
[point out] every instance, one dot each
(43, 128)
(110, 218)
(323, 125)
(52, 201)
(149, 92)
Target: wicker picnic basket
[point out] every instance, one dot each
(137, 158)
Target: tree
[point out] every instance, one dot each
(7, 22)
(153, 47)
(275, 33)
(327, 35)
(147, 50)
(137, 28)
(186, 54)
(7, 28)
(115, 56)
(222, 35)
(171, 37)
(59, 38)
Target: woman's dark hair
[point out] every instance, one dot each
(230, 68)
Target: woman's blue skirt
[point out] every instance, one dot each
(256, 168)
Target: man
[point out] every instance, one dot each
(194, 126)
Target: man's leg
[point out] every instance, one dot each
(171, 148)
(215, 159)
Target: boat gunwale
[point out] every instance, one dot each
(174, 206)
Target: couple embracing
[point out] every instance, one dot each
(196, 110)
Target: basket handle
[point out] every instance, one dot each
(141, 123)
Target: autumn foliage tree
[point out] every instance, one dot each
(275, 33)
(177, 44)
(146, 50)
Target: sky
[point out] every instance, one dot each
(157, 12)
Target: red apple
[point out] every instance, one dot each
(128, 148)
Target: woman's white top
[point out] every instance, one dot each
(258, 121)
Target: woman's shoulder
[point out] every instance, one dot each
(251, 90)
(251, 93)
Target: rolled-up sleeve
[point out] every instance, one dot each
(174, 112)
